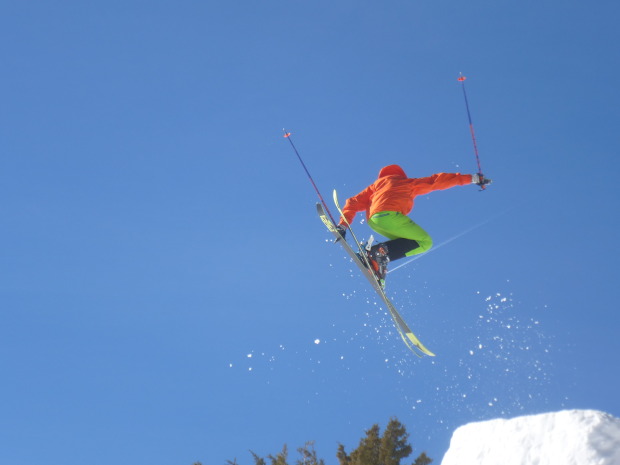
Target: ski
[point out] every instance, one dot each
(410, 339)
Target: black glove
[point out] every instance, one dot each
(480, 179)
(342, 231)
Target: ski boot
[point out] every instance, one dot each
(379, 259)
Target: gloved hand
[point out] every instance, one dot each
(480, 180)
(342, 230)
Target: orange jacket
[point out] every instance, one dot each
(394, 191)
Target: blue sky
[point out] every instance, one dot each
(167, 293)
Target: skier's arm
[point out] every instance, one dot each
(357, 203)
(439, 181)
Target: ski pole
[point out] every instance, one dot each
(287, 135)
(461, 79)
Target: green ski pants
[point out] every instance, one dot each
(394, 225)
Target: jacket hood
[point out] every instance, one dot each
(392, 170)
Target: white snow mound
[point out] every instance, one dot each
(569, 437)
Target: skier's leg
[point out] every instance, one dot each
(407, 238)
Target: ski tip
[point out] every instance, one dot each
(418, 345)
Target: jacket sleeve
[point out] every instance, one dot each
(437, 182)
(357, 203)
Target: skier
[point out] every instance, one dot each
(387, 203)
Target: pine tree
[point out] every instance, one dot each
(343, 457)
(369, 449)
(374, 449)
(281, 458)
(423, 459)
(258, 460)
(394, 445)
(389, 449)
(308, 455)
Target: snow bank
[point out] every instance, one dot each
(570, 437)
